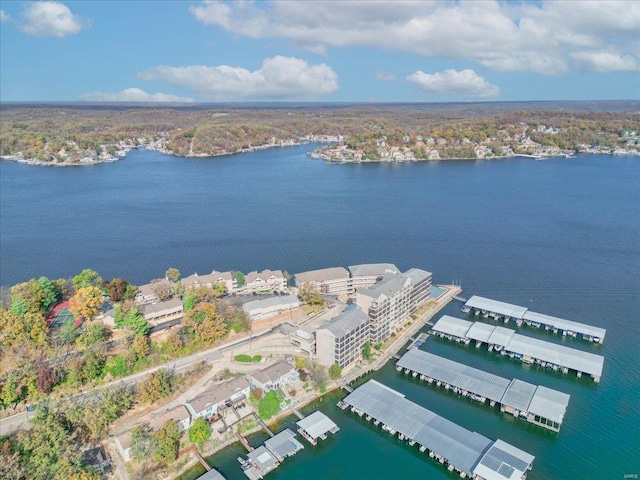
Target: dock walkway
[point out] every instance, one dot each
(537, 404)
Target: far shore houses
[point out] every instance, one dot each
(267, 281)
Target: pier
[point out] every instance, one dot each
(267, 457)
(539, 405)
(468, 453)
(315, 426)
(526, 349)
(506, 311)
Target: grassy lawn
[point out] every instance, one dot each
(269, 405)
(247, 358)
(311, 309)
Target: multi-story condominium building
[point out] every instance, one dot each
(160, 312)
(342, 339)
(390, 302)
(196, 281)
(265, 281)
(329, 281)
(149, 293)
(369, 274)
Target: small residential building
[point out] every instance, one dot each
(160, 312)
(195, 281)
(97, 459)
(149, 293)
(342, 339)
(218, 397)
(329, 281)
(274, 376)
(267, 281)
(390, 303)
(367, 275)
(266, 308)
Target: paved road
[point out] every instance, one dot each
(11, 424)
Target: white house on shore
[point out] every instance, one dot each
(274, 376)
(218, 397)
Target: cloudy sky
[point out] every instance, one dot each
(357, 51)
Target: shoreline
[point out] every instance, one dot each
(351, 375)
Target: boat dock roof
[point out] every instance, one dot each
(317, 424)
(500, 308)
(522, 313)
(523, 396)
(467, 451)
(534, 348)
(283, 444)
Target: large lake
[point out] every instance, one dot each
(561, 236)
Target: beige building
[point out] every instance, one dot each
(266, 308)
(329, 281)
(342, 339)
(149, 293)
(274, 376)
(157, 313)
(197, 281)
(369, 274)
(218, 398)
(265, 281)
(390, 302)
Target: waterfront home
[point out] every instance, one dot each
(267, 281)
(197, 281)
(274, 376)
(160, 312)
(149, 293)
(391, 302)
(330, 281)
(218, 397)
(342, 339)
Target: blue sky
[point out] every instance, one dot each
(319, 51)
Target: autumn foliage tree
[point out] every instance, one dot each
(205, 324)
(86, 302)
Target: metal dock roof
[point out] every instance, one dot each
(557, 354)
(518, 395)
(460, 447)
(503, 461)
(523, 396)
(468, 378)
(549, 403)
(480, 331)
(494, 306)
(316, 424)
(284, 444)
(566, 325)
(453, 326)
(578, 360)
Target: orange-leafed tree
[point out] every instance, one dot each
(86, 302)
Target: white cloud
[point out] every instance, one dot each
(465, 84)
(605, 62)
(279, 77)
(4, 17)
(385, 77)
(542, 37)
(51, 19)
(132, 95)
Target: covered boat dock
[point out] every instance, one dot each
(526, 349)
(468, 453)
(537, 404)
(315, 426)
(507, 311)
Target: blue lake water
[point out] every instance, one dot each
(560, 236)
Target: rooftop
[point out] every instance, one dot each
(316, 424)
(218, 393)
(346, 322)
(272, 372)
(284, 444)
(161, 306)
(500, 308)
(565, 324)
(272, 302)
(323, 275)
(368, 269)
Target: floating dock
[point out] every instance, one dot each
(315, 426)
(268, 457)
(468, 453)
(507, 311)
(526, 349)
(539, 405)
